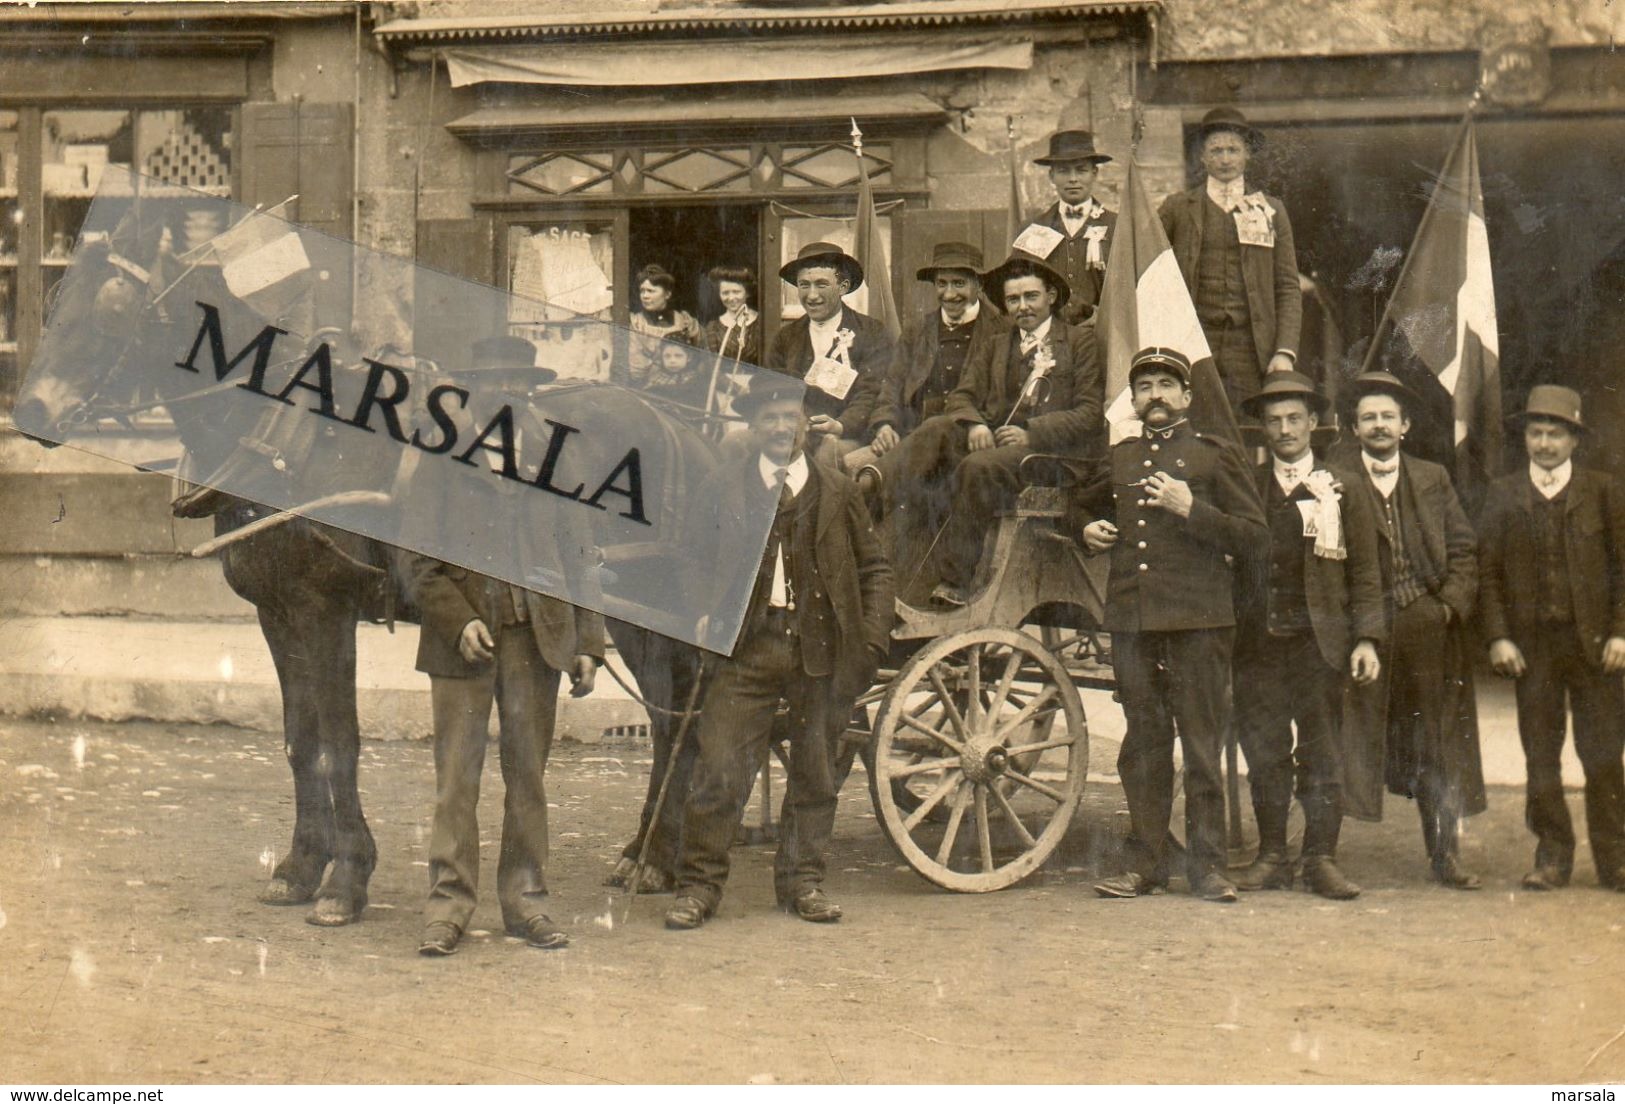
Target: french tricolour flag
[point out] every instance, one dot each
(1145, 302)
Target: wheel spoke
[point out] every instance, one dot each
(973, 702)
(1027, 749)
(951, 833)
(948, 706)
(984, 837)
(1002, 693)
(932, 800)
(917, 726)
(922, 767)
(1021, 829)
(1033, 784)
(1026, 714)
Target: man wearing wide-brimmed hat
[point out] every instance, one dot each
(1035, 389)
(1175, 508)
(930, 359)
(1234, 246)
(1414, 729)
(842, 354)
(818, 614)
(1074, 235)
(1309, 619)
(1552, 606)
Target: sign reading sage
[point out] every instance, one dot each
(312, 375)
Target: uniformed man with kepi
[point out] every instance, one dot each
(1309, 617)
(1551, 564)
(1174, 508)
(1074, 235)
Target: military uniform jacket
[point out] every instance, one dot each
(1594, 549)
(1068, 415)
(899, 403)
(846, 599)
(1071, 259)
(1269, 274)
(1344, 596)
(1167, 572)
(870, 357)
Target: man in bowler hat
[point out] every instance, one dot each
(1551, 561)
(1234, 247)
(1074, 234)
(1309, 619)
(818, 615)
(1415, 729)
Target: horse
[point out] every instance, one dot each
(309, 582)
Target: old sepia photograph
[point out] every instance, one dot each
(793, 542)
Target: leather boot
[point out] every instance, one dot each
(1271, 870)
(1320, 875)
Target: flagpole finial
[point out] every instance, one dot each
(857, 136)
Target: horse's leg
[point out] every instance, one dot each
(330, 633)
(296, 877)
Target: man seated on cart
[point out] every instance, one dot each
(1036, 390)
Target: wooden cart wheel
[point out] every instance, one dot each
(970, 726)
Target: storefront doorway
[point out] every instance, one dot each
(689, 241)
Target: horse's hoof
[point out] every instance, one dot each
(282, 892)
(330, 912)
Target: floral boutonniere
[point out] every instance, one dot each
(1327, 520)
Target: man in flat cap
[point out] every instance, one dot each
(1551, 561)
(1234, 247)
(1035, 389)
(1074, 235)
(840, 353)
(818, 615)
(1415, 728)
(1174, 507)
(1309, 619)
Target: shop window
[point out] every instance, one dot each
(697, 170)
(631, 171)
(562, 173)
(832, 166)
(44, 200)
(560, 276)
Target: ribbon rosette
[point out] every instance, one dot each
(1328, 516)
(843, 344)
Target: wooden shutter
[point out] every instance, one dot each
(916, 233)
(459, 247)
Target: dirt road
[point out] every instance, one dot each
(132, 950)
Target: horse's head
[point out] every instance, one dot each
(96, 317)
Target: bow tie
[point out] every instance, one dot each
(1075, 214)
(1294, 473)
(1546, 479)
(1383, 467)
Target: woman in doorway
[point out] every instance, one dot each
(655, 320)
(737, 335)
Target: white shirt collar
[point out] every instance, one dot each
(823, 333)
(1089, 207)
(1385, 482)
(797, 478)
(1290, 475)
(1227, 196)
(1037, 337)
(965, 319)
(1550, 484)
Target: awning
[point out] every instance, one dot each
(647, 17)
(666, 115)
(612, 64)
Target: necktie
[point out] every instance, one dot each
(1029, 342)
(1291, 476)
(781, 479)
(1546, 479)
(1383, 467)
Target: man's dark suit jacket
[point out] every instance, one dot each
(844, 612)
(1594, 545)
(1071, 259)
(1069, 419)
(1274, 299)
(899, 402)
(870, 356)
(1344, 596)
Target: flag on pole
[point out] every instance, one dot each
(1144, 301)
(263, 262)
(1017, 221)
(870, 247)
(1438, 333)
